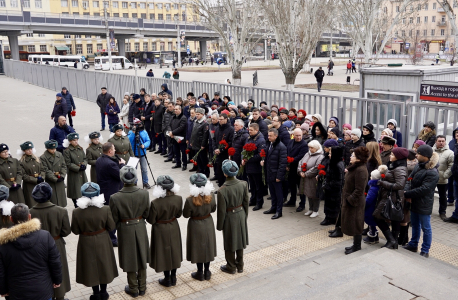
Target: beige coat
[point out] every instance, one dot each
(446, 157)
(308, 184)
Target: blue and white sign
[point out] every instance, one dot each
(188, 50)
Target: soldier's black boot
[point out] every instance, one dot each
(129, 292)
(173, 277)
(199, 275)
(207, 273)
(95, 297)
(336, 233)
(166, 281)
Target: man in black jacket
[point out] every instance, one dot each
(158, 115)
(223, 132)
(319, 75)
(102, 101)
(147, 118)
(168, 115)
(178, 130)
(275, 170)
(258, 120)
(30, 266)
(253, 167)
(60, 108)
(421, 196)
(199, 141)
(239, 140)
(70, 104)
(136, 110)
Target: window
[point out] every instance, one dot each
(114, 4)
(13, 3)
(167, 6)
(125, 15)
(64, 3)
(170, 45)
(162, 46)
(26, 3)
(183, 6)
(433, 32)
(95, 4)
(43, 48)
(133, 4)
(99, 47)
(168, 17)
(418, 33)
(41, 35)
(74, 3)
(403, 33)
(152, 16)
(106, 4)
(29, 35)
(79, 49)
(426, 6)
(397, 8)
(37, 3)
(67, 36)
(425, 32)
(451, 32)
(77, 36)
(65, 13)
(410, 33)
(403, 20)
(153, 46)
(159, 6)
(136, 47)
(76, 13)
(426, 19)
(433, 19)
(443, 19)
(151, 5)
(85, 4)
(419, 7)
(396, 33)
(411, 9)
(31, 48)
(2, 3)
(128, 46)
(160, 16)
(116, 15)
(86, 13)
(143, 5)
(89, 48)
(124, 5)
(145, 46)
(410, 20)
(434, 5)
(97, 14)
(418, 20)
(442, 32)
(7, 48)
(194, 18)
(134, 16)
(175, 17)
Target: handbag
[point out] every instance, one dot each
(393, 210)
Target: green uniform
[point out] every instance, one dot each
(11, 172)
(55, 220)
(74, 157)
(130, 208)
(95, 260)
(54, 165)
(122, 146)
(92, 153)
(166, 248)
(201, 237)
(31, 169)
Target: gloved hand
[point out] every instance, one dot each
(60, 179)
(40, 179)
(15, 187)
(82, 167)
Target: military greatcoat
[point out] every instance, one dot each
(31, 170)
(74, 157)
(54, 166)
(11, 172)
(92, 153)
(122, 146)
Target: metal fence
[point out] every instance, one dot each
(355, 111)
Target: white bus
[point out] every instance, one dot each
(58, 60)
(118, 63)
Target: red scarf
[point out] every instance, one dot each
(291, 118)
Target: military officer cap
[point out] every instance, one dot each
(116, 127)
(27, 145)
(128, 175)
(166, 182)
(90, 189)
(94, 135)
(198, 179)
(230, 168)
(73, 136)
(4, 192)
(42, 192)
(200, 110)
(3, 147)
(51, 144)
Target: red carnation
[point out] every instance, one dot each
(152, 111)
(73, 113)
(195, 163)
(187, 151)
(290, 159)
(365, 194)
(321, 167)
(383, 175)
(58, 176)
(191, 160)
(304, 167)
(105, 114)
(262, 153)
(231, 151)
(212, 131)
(210, 165)
(409, 179)
(322, 172)
(157, 134)
(224, 143)
(250, 147)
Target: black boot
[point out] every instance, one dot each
(356, 244)
(403, 235)
(95, 297)
(207, 274)
(173, 279)
(199, 275)
(166, 281)
(391, 242)
(337, 233)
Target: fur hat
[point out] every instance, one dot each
(425, 150)
(51, 144)
(388, 140)
(400, 153)
(335, 119)
(375, 175)
(430, 124)
(25, 146)
(245, 111)
(346, 125)
(200, 110)
(3, 147)
(4, 192)
(356, 132)
(166, 182)
(388, 132)
(135, 97)
(284, 111)
(362, 153)
(230, 168)
(200, 185)
(73, 136)
(128, 175)
(392, 121)
(6, 207)
(318, 117)
(330, 143)
(90, 189)
(42, 192)
(116, 128)
(198, 179)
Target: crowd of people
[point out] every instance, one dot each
(254, 151)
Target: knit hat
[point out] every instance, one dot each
(51, 144)
(245, 111)
(388, 140)
(274, 109)
(309, 117)
(430, 124)
(128, 175)
(356, 132)
(305, 126)
(419, 142)
(376, 175)
(58, 95)
(425, 150)
(116, 127)
(42, 192)
(136, 96)
(302, 111)
(263, 114)
(388, 132)
(73, 136)
(166, 182)
(412, 155)
(336, 131)
(27, 145)
(262, 103)
(319, 117)
(90, 189)
(198, 179)
(230, 168)
(288, 124)
(215, 103)
(346, 125)
(330, 143)
(400, 153)
(335, 119)
(200, 110)
(6, 207)
(4, 192)
(369, 127)
(392, 121)
(3, 147)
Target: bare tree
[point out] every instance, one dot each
(298, 25)
(237, 24)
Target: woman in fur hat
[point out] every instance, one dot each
(201, 237)
(33, 172)
(166, 249)
(93, 151)
(11, 175)
(76, 161)
(428, 133)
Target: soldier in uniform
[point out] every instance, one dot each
(121, 142)
(95, 259)
(5, 207)
(76, 161)
(130, 208)
(232, 217)
(11, 175)
(166, 249)
(55, 220)
(55, 169)
(201, 237)
(199, 141)
(93, 152)
(32, 171)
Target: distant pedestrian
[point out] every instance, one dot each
(166, 75)
(60, 108)
(75, 65)
(353, 65)
(70, 104)
(330, 68)
(319, 75)
(176, 74)
(437, 58)
(150, 73)
(102, 100)
(348, 67)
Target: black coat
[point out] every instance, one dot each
(275, 161)
(238, 142)
(319, 75)
(321, 179)
(158, 117)
(29, 262)
(102, 101)
(199, 135)
(368, 138)
(136, 111)
(350, 146)
(178, 125)
(284, 135)
(296, 150)
(335, 173)
(108, 176)
(60, 109)
(69, 99)
(148, 114)
(168, 115)
(223, 132)
(262, 127)
(252, 166)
